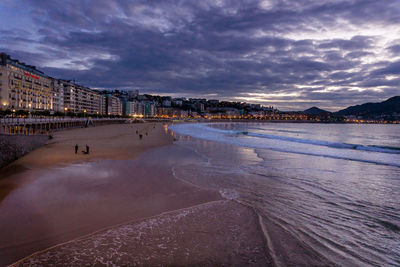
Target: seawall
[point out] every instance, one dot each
(13, 147)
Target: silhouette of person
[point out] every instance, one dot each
(76, 149)
(140, 136)
(87, 149)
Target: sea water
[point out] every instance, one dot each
(332, 189)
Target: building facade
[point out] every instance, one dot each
(24, 87)
(164, 112)
(57, 95)
(80, 99)
(128, 108)
(149, 109)
(113, 105)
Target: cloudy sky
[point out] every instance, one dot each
(290, 54)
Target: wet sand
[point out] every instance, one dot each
(51, 195)
(216, 233)
(128, 187)
(117, 141)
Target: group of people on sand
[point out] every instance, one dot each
(140, 133)
(83, 151)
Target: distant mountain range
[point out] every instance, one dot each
(387, 107)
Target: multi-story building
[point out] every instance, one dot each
(133, 94)
(102, 104)
(149, 109)
(166, 103)
(57, 89)
(139, 108)
(80, 99)
(23, 86)
(165, 112)
(128, 107)
(113, 105)
(178, 102)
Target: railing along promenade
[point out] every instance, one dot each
(30, 126)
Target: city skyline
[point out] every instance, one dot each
(330, 54)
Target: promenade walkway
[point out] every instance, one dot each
(30, 126)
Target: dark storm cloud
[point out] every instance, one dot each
(355, 43)
(392, 68)
(225, 48)
(395, 49)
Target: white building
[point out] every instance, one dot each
(58, 95)
(80, 99)
(23, 87)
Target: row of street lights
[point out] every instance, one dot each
(66, 109)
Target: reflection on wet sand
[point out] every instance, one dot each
(58, 204)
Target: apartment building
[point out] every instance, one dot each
(57, 95)
(129, 108)
(23, 86)
(166, 112)
(149, 109)
(113, 105)
(81, 99)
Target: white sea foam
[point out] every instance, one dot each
(393, 150)
(355, 152)
(229, 194)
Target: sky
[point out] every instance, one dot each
(289, 54)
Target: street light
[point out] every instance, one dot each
(65, 111)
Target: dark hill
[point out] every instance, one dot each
(315, 111)
(387, 107)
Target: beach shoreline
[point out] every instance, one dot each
(51, 186)
(120, 141)
(59, 198)
(146, 201)
(104, 141)
(193, 235)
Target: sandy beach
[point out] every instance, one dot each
(117, 141)
(215, 233)
(55, 196)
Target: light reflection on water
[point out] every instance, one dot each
(346, 210)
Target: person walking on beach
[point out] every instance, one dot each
(87, 149)
(76, 149)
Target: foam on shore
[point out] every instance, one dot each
(215, 233)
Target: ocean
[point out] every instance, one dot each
(330, 190)
(294, 194)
